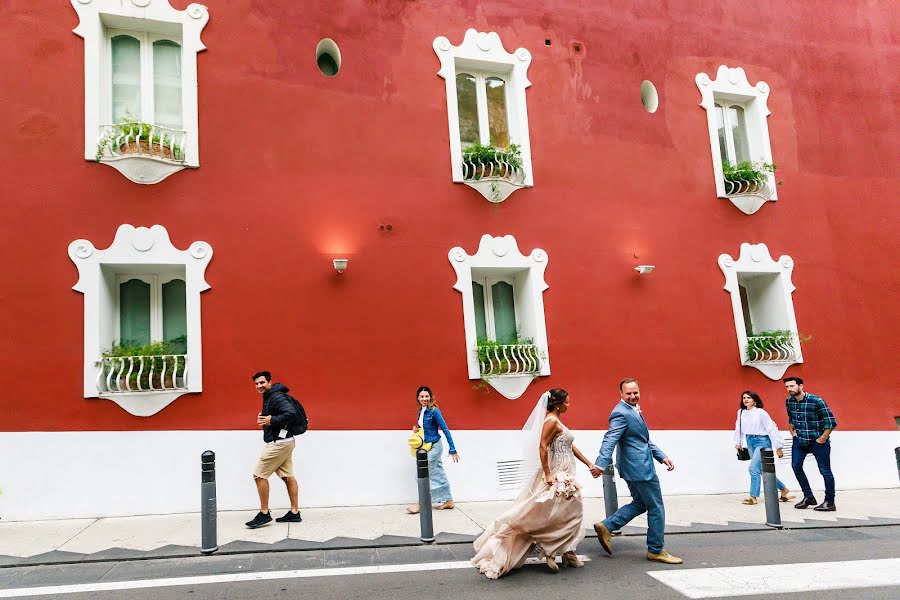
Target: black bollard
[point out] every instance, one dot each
(425, 523)
(770, 488)
(610, 494)
(897, 456)
(208, 543)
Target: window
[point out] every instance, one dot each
(141, 318)
(145, 71)
(152, 308)
(763, 311)
(486, 105)
(141, 85)
(738, 131)
(503, 313)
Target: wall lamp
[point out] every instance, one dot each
(644, 269)
(340, 264)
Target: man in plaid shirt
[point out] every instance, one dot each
(811, 425)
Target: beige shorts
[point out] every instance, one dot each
(277, 458)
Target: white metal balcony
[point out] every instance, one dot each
(130, 374)
(770, 349)
(141, 139)
(510, 359)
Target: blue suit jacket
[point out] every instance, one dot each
(628, 431)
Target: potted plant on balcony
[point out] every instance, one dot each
(773, 345)
(135, 137)
(155, 357)
(480, 162)
(747, 177)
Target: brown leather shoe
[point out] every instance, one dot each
(806, 502)
(603, 537)
(570, 559)
(551, 564)
(826, 507)
(445, 506)
(664, 557)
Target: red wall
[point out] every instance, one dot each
(297, 169)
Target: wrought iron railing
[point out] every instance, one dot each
(500, 166)
(120, 374)
(141, 139)
(770, 349)
(510, 359)
(741, 187)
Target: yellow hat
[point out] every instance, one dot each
(417, 441)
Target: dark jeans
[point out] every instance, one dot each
(822, 452)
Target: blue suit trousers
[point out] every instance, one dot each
(646, 497)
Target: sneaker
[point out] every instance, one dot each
(259, 520)
(290, 517)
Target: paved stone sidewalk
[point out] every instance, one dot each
(80, 540)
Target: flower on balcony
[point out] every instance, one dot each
(773, 346)
(135, 137)
(516, 357)
(748, 177)
(144, 367)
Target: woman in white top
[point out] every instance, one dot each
(762, 432)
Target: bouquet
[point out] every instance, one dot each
(564, 487)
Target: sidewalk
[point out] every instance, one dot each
(122, 538)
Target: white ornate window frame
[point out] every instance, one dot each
(755, 260)
(154, 16)
(501, 255)
(136, 249)
(485, 53)
(731, 85)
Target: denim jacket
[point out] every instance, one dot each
(431, 421)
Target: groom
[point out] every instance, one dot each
(629, 432)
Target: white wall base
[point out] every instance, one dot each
(103, 474)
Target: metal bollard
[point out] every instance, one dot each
(770, 488)
(897, 455)
(208, 543)
(610, 494)
(425, 523)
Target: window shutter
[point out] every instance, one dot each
(467, 107)
(167, 84)
(738, 123)
(126, 78)
(497, 118)
(478, 301)
(503, 296)
(174, 314)
(134, 312)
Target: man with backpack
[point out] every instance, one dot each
(281, 418)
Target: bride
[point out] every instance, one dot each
(549, 510)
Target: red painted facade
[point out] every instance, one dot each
(297, 169)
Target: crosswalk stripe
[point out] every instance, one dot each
(781, 579)
(111, 586)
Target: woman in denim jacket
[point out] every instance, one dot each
(430, 420)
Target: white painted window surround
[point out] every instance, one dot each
(147, 21)
(483, 56)
(137, 251)
(730, 97)
(766, 292)
(499, 258)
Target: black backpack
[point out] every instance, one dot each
(299, 425)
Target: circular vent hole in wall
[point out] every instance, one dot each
(328, 57)
(649, 97)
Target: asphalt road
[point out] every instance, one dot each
(623, 576)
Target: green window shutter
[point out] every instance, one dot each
(174, 312)
(745, 308)
(134, 313)
(478, 301)
(503, 296)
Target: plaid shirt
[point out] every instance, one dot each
(810, 417)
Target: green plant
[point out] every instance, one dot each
(772, 344)
(129, 130)
(497, 358)
(477, 155)
(157, 357)
(746, 171)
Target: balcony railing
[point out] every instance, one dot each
(141, 139)
(769, 349)
(511, 359)
(475, 168)
(740, 187)
(122, 374)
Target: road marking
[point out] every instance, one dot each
(781, 579)
(111, 586)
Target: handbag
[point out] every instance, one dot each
(743, 453)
